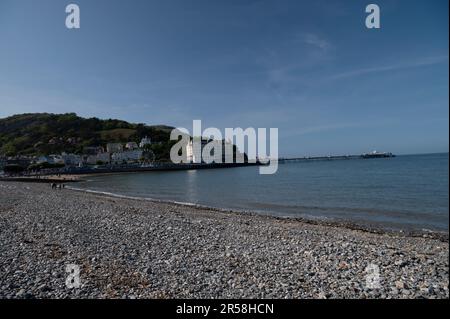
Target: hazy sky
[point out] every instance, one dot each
(310, 68)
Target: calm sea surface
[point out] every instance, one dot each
(405, 192)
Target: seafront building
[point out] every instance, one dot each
(194, 153)
(212, 155)
(114, 147)
(100, 158)
(92, 150)
(72, 159)
(51, 159)
(145, 141)
(131, 146)
(126, 156)
(55, 159)
(116, 153)
(42, 159)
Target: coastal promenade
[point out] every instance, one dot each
(73, 174)
(153, 167)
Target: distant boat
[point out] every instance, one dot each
(376, 154)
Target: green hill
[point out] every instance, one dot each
(44, 133)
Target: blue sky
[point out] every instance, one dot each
(310, 68)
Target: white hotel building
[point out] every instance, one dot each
(194, 154)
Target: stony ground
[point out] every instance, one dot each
(140, 249)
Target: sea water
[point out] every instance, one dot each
(406, 192)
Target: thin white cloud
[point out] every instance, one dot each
(414, 64)
(314, 40)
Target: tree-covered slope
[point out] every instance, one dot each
(43, 133)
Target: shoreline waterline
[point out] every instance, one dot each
(440, 235)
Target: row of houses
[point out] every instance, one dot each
(113, 153)
(131, 152)
(127, 156)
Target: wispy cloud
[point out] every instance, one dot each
(307, 50)
(377, 69)
(315, 41)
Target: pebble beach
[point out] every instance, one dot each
(130, 248)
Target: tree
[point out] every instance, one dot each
(9, 149)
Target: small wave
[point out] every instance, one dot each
(150, 199)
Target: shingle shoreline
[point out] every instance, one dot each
(127, 248)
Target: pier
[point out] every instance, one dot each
(372, 155)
